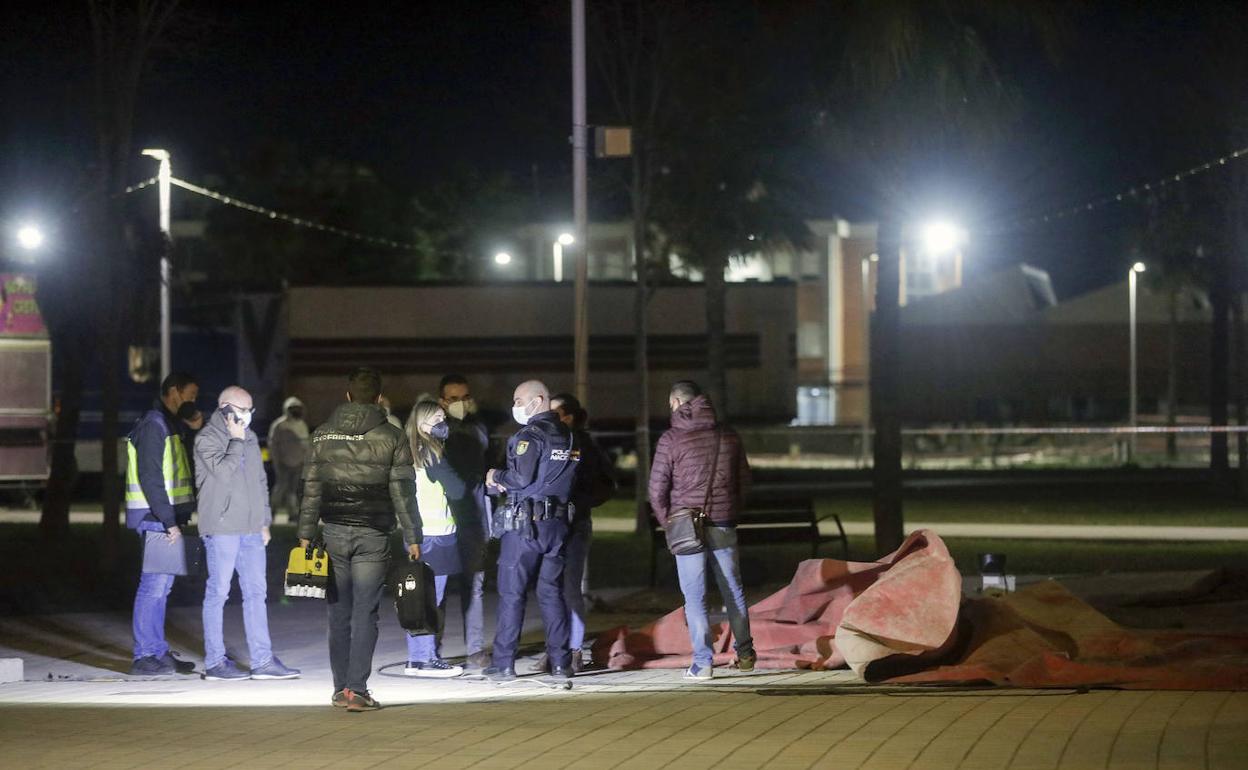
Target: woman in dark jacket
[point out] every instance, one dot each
(436, 484)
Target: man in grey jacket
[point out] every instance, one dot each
(234, 521)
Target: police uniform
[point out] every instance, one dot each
(539, 479)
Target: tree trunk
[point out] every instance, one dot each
(641, 351)
(110, 395)
(716, 342)
(54, 518)
(1241, 393)
(886, 392)
(1219, 361)
(1172, 376)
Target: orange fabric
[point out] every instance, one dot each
(795, 627)
(902, 620)
(1043, 636)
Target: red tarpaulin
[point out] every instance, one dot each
(903, 619)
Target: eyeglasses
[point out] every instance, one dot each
(246, 409)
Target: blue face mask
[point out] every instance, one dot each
(440, 431)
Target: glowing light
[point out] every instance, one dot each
(942, 237)
(1139, 267)
(566, 239)
(502, 258)
(29, 237)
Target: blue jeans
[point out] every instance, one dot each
(225, 555)
(358, 557)
(721, 554)
(573, 576)
(423, 648)
(149, 613)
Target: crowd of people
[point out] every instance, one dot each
(362, 474)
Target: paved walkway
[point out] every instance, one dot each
(89, 710)
(1100, 532)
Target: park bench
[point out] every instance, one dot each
(770, 521)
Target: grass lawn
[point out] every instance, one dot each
(1170, 505)
(623, 559)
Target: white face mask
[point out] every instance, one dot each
(520, 413)
(457, 410)
(243, 416)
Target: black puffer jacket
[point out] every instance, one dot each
(360, 473)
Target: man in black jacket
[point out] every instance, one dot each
(358, 480)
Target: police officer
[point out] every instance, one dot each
(538, 481)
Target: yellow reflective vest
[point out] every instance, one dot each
(175, 470)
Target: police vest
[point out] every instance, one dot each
(174, 468)
(557, 469)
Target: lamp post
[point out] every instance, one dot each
(580, 205)
(564, 239)
(162, 178)
(865, 450)
(1133, 407)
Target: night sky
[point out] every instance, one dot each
(416, 90)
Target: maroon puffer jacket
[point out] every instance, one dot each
(682, 462)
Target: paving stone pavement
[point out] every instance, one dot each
(647, 727)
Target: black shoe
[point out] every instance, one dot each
(179, 666)
(500, 673)
(561, 672)
(150, 665)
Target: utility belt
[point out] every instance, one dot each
(524, 515)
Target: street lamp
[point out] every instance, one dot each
(30, 237)
(564, 239)
(163, 175)
(502, 258)
(1133, 408)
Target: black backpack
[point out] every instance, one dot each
(416, 598)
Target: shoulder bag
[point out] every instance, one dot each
(684, 527)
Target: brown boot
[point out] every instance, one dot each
(541, 666)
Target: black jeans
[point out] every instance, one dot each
(358, 561)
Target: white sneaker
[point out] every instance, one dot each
(432, 669)
(698, 673)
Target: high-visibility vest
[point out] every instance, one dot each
(435, 509)
(175, 469)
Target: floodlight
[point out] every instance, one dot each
(942, 237)
(566, 239)
(502, 258)
(29, 237)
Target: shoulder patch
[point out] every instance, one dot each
(521, 447)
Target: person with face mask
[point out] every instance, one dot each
(234, 520)
(288, 449)
(160, 498)
(466, 445)
(595, 484)
(436, 484)
(538, 481)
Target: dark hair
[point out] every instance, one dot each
(177, 381)
(569, 404)
(451, 379)
(364, 386)
(685, 391)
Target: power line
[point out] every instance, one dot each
(1119, 197)
(281, 217)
